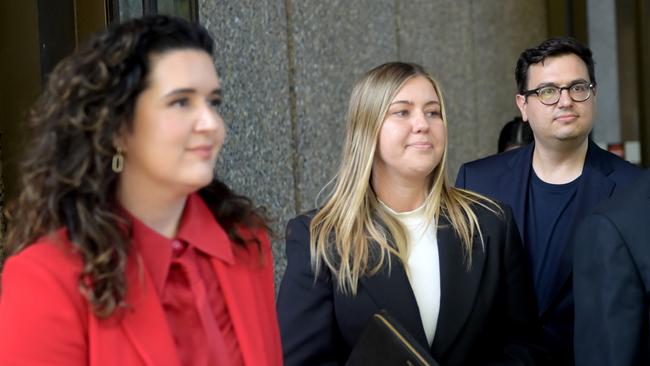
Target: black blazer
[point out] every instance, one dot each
(612, 281)
(505, 177)
(487, 313)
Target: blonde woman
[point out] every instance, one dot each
(448, 264)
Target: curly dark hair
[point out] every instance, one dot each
(67, 180)
(557, 46)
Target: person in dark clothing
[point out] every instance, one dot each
(611, 278)
(514, 134)
(554, 182)
(393, 235)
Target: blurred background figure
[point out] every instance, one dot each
(514, 134)
(123, 248)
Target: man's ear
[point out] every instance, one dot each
(521, 104)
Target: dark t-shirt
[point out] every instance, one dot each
(549, 209)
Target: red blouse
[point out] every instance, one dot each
(187, 285)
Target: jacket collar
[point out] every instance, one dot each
(458, 284)
(401, 301)
(197, 228)
(516, 184)
(200, 229)
(144, 321)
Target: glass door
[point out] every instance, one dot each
(127, 9)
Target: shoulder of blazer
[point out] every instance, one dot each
(610, 164)
(52, 262)
(489, 174)
(504, 160)
(54, 253)
(299, 223)
(495, 212)
(635, 197)
(252, 255)
(496, 224)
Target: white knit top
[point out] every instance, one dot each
(423, 266)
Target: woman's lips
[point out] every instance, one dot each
(423, 145)
(203, 151)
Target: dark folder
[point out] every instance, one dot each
(385, 342)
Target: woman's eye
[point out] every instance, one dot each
(433, 113)
(182, 102)
(401, 113)
(215, 103)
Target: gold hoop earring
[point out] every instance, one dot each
(118, 161)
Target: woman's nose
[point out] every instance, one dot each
(208, 119)
(420, 122)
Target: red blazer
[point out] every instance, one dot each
(44, 319)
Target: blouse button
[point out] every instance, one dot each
(177, 247)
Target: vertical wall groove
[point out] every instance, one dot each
(472, 64)
(397, 29)
(293, 109)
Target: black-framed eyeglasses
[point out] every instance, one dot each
(550, 94)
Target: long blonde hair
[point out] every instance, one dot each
(352, 234)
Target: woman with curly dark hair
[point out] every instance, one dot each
(123, 248)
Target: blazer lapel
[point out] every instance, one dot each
(144, 321)
(459, 285)
(594, 187)
(245, 300)
(391, 290)
(515, 185)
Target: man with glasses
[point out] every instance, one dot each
(554, 182)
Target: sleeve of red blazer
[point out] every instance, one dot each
(305, 305)
(261, 325)
(42, 319)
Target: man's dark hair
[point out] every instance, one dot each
(552, 47)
